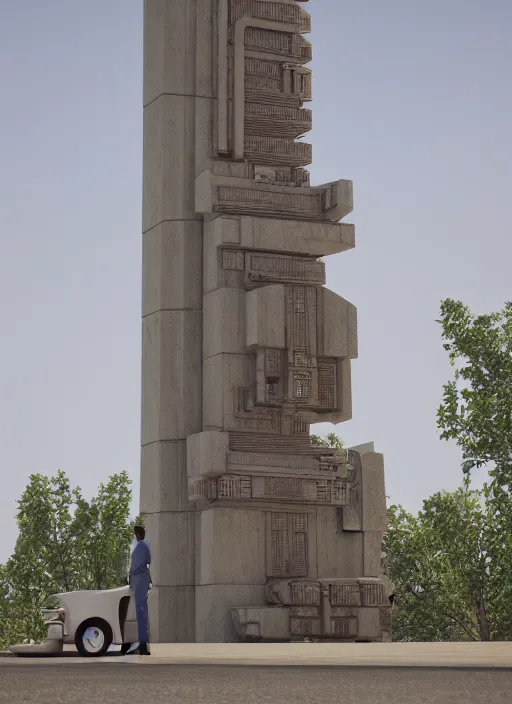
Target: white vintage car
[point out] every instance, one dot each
(91, 620)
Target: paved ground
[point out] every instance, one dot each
(478, 655)
(109, 682)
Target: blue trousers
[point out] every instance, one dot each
(140, 587)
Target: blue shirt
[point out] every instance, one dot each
(141, 558)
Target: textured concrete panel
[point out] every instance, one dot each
(207, 454)
(170, 54)
(206, 18)
(266, 317)
(214, 622)
(369, 624)
(164, 477)
(169, 162)
(353, 511)
(172, 614)
(363, 449)
(224, 374)
(340, 326)
(372, 553)
(172, 539)
(339, 553)
(231, 546)
(224, 322)
(213, 396)
(345, 381)
(171, 375)
(172, 267)
(213, 274)
(374, 492)
(204, 133)
(313, 238)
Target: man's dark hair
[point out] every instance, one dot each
(139, 532)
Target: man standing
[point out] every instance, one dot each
(140, 581)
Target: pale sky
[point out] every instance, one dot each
(412, 101)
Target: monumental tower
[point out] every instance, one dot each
(255, 532)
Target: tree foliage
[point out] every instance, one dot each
(452, 563)
(330, 440)
(65, 543)
(448, 568)
(476, 409)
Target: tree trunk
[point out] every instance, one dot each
(481, 617)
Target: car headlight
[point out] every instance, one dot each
(53, 610)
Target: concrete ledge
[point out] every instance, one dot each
(437, 655)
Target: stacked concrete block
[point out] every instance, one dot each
(256, 533)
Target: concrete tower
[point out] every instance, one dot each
(255, 532)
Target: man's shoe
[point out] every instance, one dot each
(143, 649)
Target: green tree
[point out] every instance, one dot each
(330, 440)
(104, 533)
(64, 543)
(448, 568)
(476, 410)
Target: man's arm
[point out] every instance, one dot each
(139, 559)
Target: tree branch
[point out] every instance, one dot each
(444, 613)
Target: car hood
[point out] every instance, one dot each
(93, 593)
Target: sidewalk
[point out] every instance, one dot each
(439, 655)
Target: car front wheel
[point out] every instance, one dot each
(93, 638)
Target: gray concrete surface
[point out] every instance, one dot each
(437, 655)
(127, 682)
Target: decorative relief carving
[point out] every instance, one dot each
(225, 487)
(232, 199)
(343, 612)
(291, 453)
(373, 595)
(273, 268)
(271, 70)
(268, 48)
(203, 489)
(305, 612)
(272, 42)
(274, 150)
(289, 488)
(305, 627)
(339, 492)
(345, 594)
(295, 371)
(274, 11)
(230, 487)
(341, 628)
(265, 120)
(327, 384)
(288, 545)
(327, 609)
(233, 260)
(262, 87)
(300, 425)
(270, 488)
(269, 459)
(305, 593)
(290, 445)
(328, 463)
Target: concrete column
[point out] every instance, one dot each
(177, 127)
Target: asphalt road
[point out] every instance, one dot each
(109, 683)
